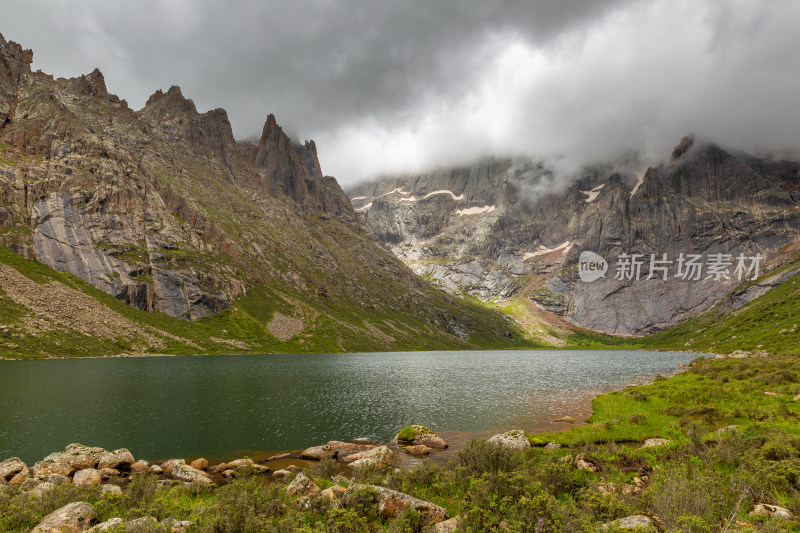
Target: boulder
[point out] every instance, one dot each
(112, 524)
(278, 474)
(20, 477)
(43, 489)
(178, 469)
(301, 485)
(107, 491)
(329, 498)
(181, 526)
(552, 446)
(416, 434)
(448, 526)
(145, 524)
(121, 459)
(392, 504)
(199, 464)
(568, 419)
(10, 468)
(516, 439)
(219, 468)
(346, 448)
(650, 443)
(317, 453)
(57, 479)
(381, 456)
(155, 469)
(229, 473)
(417, 449)
(88, 477)
(72, 518)
(637, 522)
(30, 484)
(75, 457)
(764, 509)
(108, 473)
(140, 467)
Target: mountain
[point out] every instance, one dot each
(511, 232)
(164, 210)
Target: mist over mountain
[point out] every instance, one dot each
(404, 87)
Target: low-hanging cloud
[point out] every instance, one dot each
(390, 86)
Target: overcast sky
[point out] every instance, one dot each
(400, 85)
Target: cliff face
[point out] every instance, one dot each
(163, 209)
(509, 231)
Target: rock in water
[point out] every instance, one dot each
(75, 457)
(416, 434)
(10, 468)
(516, 439)
(317, 453)
(178, 469)
(380, 456)
(199, 464)
(417, 449)
(72, 518)
(121, 459)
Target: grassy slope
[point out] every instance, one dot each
(246, 322)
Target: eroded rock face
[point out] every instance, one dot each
(482, 229)
(10, 468)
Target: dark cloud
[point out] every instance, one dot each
(386, 85)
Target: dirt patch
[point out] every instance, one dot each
(71, 308)
(284, 327)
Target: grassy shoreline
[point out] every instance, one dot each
(733, 431)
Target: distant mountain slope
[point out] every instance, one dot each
(163, 210)
(503, 231)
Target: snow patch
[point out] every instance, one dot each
(451, 193)
(476, 210)
(565, 246)
(358, 198)
(638, 184)
(409, 199)
(364, 207)
(591, 196)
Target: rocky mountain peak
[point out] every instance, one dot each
(15, 63)
(92, 84)
(171, 103)
(684, 146)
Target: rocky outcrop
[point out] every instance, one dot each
(178, 469)
(74, 458)
(392, 504)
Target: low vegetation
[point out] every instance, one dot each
(729, 446)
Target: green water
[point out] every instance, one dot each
(224, 406)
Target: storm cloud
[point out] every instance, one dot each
(390, 86)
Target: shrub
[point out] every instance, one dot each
(480, 456)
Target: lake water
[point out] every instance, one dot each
(228, 406)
